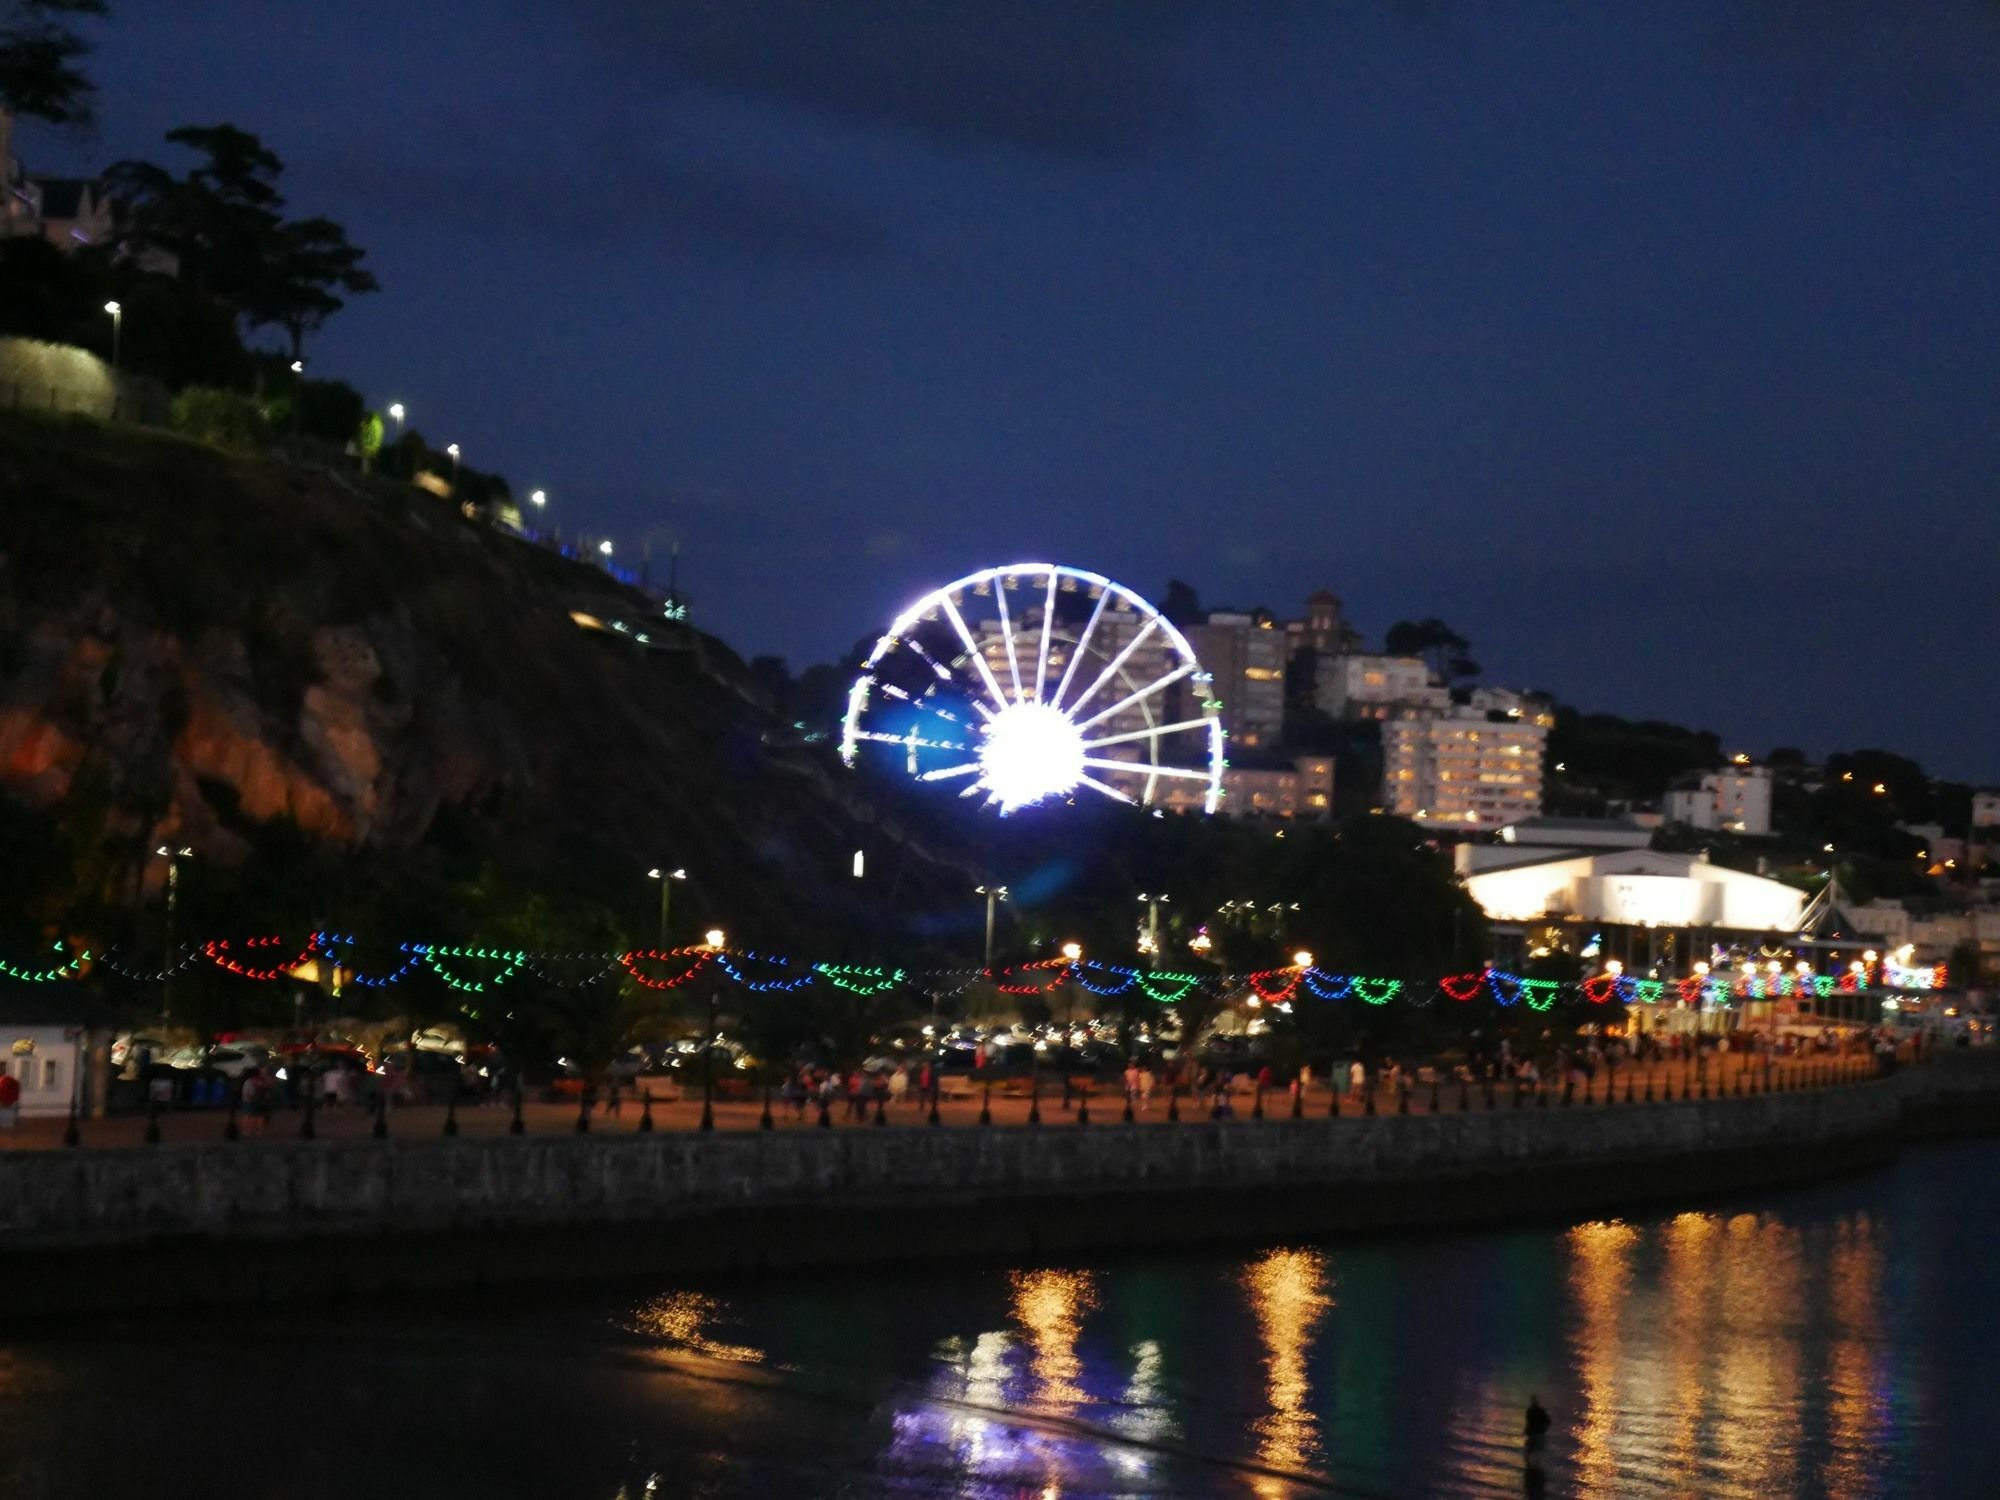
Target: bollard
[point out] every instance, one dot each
(1434, 1091)
(1649, 1085)
(1128, 1107)
(764, 1121)
(646, 1113)
(583, 1116)
(825, 1113)
(307, 1130)
(1257, 1103)
(1541, 1093)
(881, 1109)
(516, 1126)
(1174, 1102)
(1299, 1099)
(1630, 1098)
(986, 1106)
(1083, 1105)
(230, 1130)
(1464, 1096)
(936, 1118)
(1569, 1091)
(1035, 1101)
(1590, 1088)
(1368, 1099)
(451, 1113)
(381, 1130)
(1332, 1098)
(1403, 1099)
(1491, 1102)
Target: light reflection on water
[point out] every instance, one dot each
(1713, 1354)
(1837, 1342)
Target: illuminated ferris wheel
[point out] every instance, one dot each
(1034, 682)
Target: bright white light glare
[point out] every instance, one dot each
(1032, 751)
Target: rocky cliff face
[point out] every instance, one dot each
(202, 649)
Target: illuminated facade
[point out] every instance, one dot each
(1300, 790)
(1377, 687)
(1245, 658)
(1469, 771)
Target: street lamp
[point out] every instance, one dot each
(173, 857)
(994, 894)
(117, 330)
(666, 879)
(298, 393)
(1302, 959)
(538, 498)
(715, 941)
(604, 547)
(1073, 952)
(1153, 902)
(452, 450)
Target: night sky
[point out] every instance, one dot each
(1656, 346)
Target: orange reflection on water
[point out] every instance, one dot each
(1854, 1427)
(1288, 1295)
(1688, 1280)
(678, 1318)
(1050, 1306)
(1600, 1274)
(1754, 1391)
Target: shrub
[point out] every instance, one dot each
(225, 419)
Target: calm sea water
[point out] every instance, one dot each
(1841, 1340)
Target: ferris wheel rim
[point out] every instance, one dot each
(944, 600)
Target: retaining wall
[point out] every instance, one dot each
(174, 1223)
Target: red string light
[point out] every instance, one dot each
(218, 950)
(1462, 987)
(632, 959)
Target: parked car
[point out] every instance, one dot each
(237, 1062)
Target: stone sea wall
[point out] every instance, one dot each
(140, 1226)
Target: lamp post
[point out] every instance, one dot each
(666, 878)
(994, 895)
(715, 941)
(452, 450)
(540, 500)
(173, 857)
(1153, 903)
(1073, 952)
(396, 415)
(117, 332)
(604, 549)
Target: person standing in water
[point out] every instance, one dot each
(1535, 1432)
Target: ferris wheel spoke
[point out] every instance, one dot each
(1145, 692)
(1110, 791)
(972, 649)
(1152, 731)
(1076, 650)
(883, 737)
(947, 773)
(1146, 769)
(1048, 623)
(1007, 635)
(1116, 663)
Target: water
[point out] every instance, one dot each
(1841, 1340)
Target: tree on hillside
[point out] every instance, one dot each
(1443, 649)
(307, 262)
(1181, 604)
(223, 220)
(39, 57)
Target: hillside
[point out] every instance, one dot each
(356, 706)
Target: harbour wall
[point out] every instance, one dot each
(99, 1229)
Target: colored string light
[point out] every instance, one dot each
(44, 976)
(860, 981)
(511, 964)
(219, 952)
(1463, 987)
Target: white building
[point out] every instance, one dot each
(1633, 888)
(1736, 799)
(1244, 656)
(1986, 809)
(45, 1061)
(1468, 770)
(1376, 687)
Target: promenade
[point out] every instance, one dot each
(1009, 1105)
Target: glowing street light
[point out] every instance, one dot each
(666, 879)
(604, 547)
(173, 856)
(1072, 951)
(538, 498)
(452, 450)
(1302, 959)
(715, 938)
(117, 330)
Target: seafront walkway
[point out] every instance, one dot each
(1015, 1103)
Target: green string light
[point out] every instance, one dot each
(857, 981)
(510, 958)
(44, 976)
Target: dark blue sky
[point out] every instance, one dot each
(1656, 346)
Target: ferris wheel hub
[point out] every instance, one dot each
(1032, 751)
